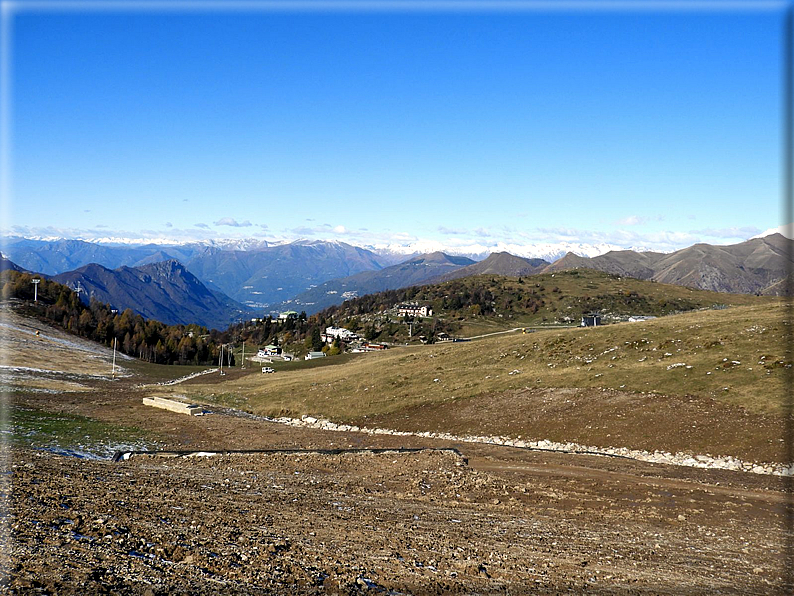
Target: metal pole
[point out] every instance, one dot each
(113, 371)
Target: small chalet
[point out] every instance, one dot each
(290, 314)
(315, 355)
(270, 350)
(636, 318)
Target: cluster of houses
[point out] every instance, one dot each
(282, 317)
(273, 352)
(595, 319)
(352, 339)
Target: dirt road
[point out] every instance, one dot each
(490, 520)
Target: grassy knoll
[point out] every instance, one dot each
(734, 355)
(709, 381)
(485, 303)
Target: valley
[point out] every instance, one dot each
(217, 284)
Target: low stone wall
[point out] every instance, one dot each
(180, 379)
(659, 457)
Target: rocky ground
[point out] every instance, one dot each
(481, 520)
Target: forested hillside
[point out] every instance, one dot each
(148, 340)
(552, 298)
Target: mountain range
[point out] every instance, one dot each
(59, 256)
(311, 276)
(416, 271)
(256, 274)
(163, 291)
(756, 266)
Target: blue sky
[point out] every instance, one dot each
(653, 128)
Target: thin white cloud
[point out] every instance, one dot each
(478, 241)
(320, 230)
(452, 231)
(787, 230)
(174, 235)
(638, 220)
(631, 220)
(743, 232)
(230, 221)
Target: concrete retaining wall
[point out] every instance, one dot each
(173, 406)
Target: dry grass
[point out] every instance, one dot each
(734, 355)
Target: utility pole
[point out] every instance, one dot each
(35, 281)
(242, 365)
(113, 370)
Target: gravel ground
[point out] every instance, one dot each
(500, 521)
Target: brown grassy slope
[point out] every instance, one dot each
(725, 369)
(755, 265)
(485, 303)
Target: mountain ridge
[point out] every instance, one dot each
(165, 291)
(417, 270)
(758, 265)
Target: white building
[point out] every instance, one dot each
(340, 333)
(413, 309)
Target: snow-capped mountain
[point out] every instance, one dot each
(547, 251)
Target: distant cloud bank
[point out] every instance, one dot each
(547, 243)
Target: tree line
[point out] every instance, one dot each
(134, 335)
